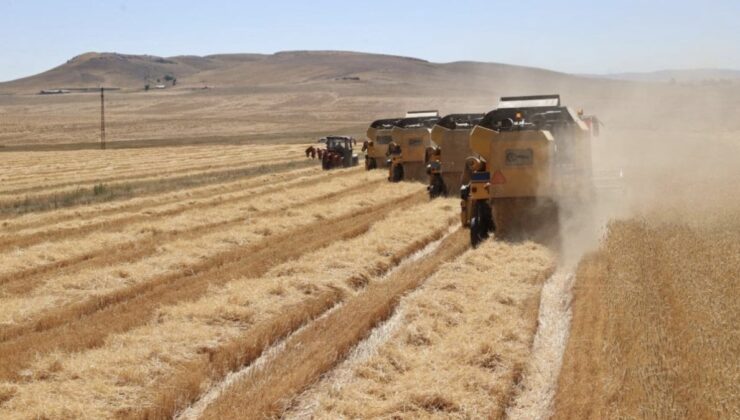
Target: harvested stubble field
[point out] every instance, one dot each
(166, 300)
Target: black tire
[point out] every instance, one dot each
(397, 174)
(481, 224)
(436, 187)
(370, 163)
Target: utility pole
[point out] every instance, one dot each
(102, 118)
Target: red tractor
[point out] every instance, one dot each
(338, 152)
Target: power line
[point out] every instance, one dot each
(102, 118)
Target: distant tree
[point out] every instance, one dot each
(174, 81)
(169, 77)
(159, 81)
(146, 87)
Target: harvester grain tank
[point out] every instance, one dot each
(532, 155)
(338, 152)
(409, 151)
(446, 162)
(376, 145)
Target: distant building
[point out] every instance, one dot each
(159, 86)
(53, 91)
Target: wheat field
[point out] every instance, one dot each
(242, 281)
(139, 283)
(654, 332)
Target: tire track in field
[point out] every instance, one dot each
(185, 195)
(86, 325)
(225, 364)
(322, 344)
(115, 225)
(20, 282)
(86, 182)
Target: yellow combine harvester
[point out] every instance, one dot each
(376, 145)
(409, 150)
(446, 162)
(532, 154)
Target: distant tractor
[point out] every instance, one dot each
(338, 152)
(530, 154)
(376, 145)
(409, 151)
(446, 161)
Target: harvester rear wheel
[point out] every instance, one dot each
(437, 187)
(370, 164)
(397, 174)
(481, 224)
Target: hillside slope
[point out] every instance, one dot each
(92, 70)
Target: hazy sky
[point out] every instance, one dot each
(572, 36)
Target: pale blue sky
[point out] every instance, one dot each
(573, 36)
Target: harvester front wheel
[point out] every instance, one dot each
(481, 224)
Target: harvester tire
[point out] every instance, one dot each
(370, 164)
(397, 174)
(481, 223)
(437, 187)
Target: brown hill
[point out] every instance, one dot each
(132, 72)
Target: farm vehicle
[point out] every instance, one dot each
(337, 153)
(529, 155)
(376, 145)
(446, 160)
(410, 147)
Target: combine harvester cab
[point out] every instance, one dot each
(376, 145)
(533, 155)
(412, 141)
(338, 152)
(446, 162)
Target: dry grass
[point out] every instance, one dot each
(30, 231)
(458, 349)
(75, 327)
(319, 346)
(159, 252)
(654, 331)
(104, 243)
(32, 172)
(132, 371)
(101, 192)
